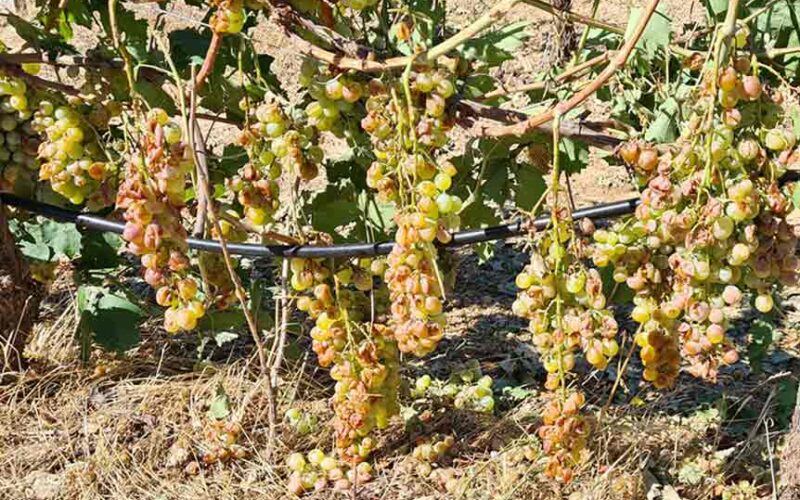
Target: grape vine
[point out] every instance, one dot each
(367, 146)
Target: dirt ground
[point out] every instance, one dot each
(125, 426)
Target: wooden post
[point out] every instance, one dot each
(19, 300)
(789, 486)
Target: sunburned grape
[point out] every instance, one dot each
(362, 354)
(405, 137)
(274, 145)
(151, 196)
(711, 225)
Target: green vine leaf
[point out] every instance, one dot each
(786, 398)
(100, 251)
(336, 206)
(762, 334)
(529, 188)
(665, 127)
(496, 47)
(109, 317)
(36, 37)
(574, 155)
(796, 196)
(658, 34)
(47, 240)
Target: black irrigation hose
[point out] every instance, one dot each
(604, 211)
(470, 237)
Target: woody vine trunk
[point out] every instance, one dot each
(19, 299)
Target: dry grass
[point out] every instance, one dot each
(127, 429)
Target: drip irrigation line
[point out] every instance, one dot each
(469, 237)
(462, 238)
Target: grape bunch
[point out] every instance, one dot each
(274, 145)
(466, 388)
(564, 432)
(406, 133)
(362, 354)
(229, 16)
(152, 195)
(73, 160)
(712, 225)
(565, 305)
(220, 442)
(429, 451)
(332, 95)
(19, 142)
(317, 471)
(303, 423)
(367, 378)
(564, 302)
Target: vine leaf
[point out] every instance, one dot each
(716, 8)
(658, 33)
(226, 321)
(37, 37)
(618, 293)
(762, 334)
(495, 187)
(220, 407)
(478, 85)
(574, 155)
(796, 196)
(110, 318)
(336, 206)
(47, 240)
(188, 47)
(779, 27)
(496, 47)
(665, 127)
(99, 250)
(786, 398)
(155, 96)
(529, 188)
(133, 32)
(479, 214)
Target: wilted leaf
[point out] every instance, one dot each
(220, 407)
(665, 127)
